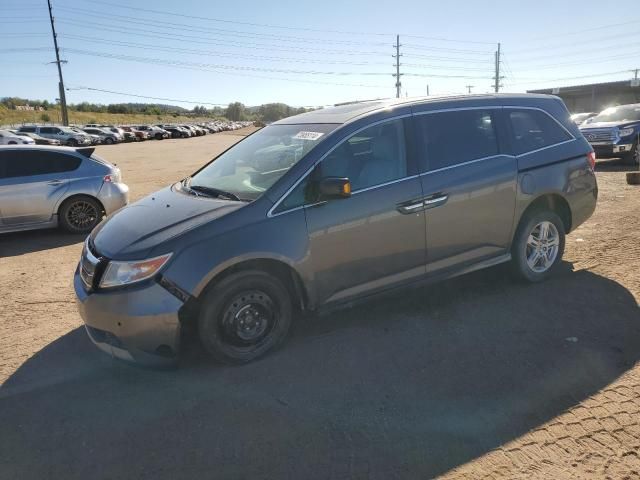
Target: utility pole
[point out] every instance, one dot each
(427, 89)
(497, 77)
(469, 87)
(397, 74)
(63, 98)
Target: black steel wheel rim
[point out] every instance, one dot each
(248, 319)
(82, 215)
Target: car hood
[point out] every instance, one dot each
(133, 231)
(626, 123)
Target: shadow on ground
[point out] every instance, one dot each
(20, 243)
(408, 386)
(614, 165)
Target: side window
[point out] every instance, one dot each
(29, 163)
(28, 129)
(371, 157)
(46, 130)
(451, 138)
(533, 129)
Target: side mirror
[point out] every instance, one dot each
(330, 188)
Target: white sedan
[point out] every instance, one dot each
(9, 138)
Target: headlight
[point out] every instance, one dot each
(625, 132)
(125, 273)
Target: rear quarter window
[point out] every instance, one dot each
(534, 129)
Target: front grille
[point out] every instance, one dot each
(600, 135)
(91, 265)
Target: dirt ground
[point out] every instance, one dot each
(477, 377)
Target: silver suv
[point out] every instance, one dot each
(66, 135)
(43, 187)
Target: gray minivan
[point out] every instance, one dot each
(329, 206)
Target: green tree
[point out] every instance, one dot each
(235, 111)
(45, 118)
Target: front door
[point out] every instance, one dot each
(374, 238)
(31, 184)
(469, 186)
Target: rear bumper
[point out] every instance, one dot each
(113, 196)
(139, 325)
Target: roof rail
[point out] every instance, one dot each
(353, 102)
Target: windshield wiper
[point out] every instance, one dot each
(214, 192)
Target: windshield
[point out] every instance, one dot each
(250, 167)
(618, 114)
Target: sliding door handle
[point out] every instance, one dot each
(435, 200)
(407, 208)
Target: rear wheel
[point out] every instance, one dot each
(80, 214)
(159, 136)
(72, 142)
(538, 245)
(244, 316)
(108, 141)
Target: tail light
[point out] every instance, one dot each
(591, 158)
(113, 177)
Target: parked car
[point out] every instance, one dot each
(37, 138)
(10, 138)
(154, 132)
(66, 135)
(43, 187)
(117, 131)
(615, 132)
(176, 132)
(579, 118)
(194, 132)
(379, 194)
(107, 137)
(140, 135)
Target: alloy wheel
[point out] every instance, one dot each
(542, 246)
(82, 215)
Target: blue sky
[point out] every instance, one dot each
(307, 53)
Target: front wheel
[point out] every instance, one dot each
(244, 316)
(72, 143)
(538, 245)
(108, 141)
(633, 157)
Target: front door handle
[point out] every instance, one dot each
(55, 183)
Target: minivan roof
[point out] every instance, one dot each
(346, 112)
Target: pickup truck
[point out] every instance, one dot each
(614, 132)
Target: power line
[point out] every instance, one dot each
(198, 39)
(219, 66)
(148, 97)
(211, 70)
(273, 26)
(573, 78)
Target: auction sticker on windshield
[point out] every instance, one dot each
(308, 135)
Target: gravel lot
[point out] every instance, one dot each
(475, 377)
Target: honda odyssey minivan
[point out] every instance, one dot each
(326, 207)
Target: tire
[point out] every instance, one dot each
(80, 214)
(633, 178)
(244, 316)
(72, 143)
(525, 263)
(633, 157)
(159, 136)
(108, 141)
(12, 143)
